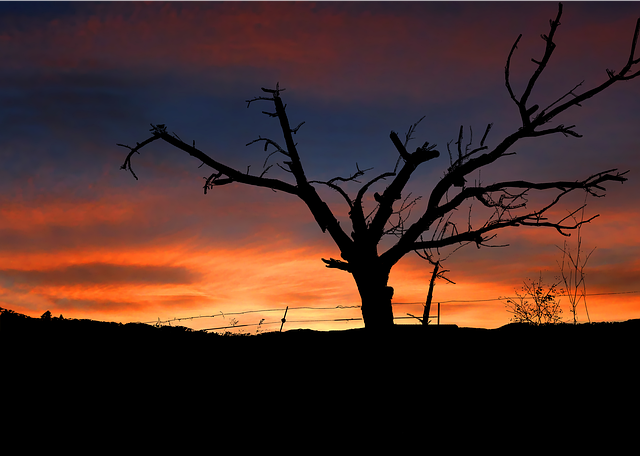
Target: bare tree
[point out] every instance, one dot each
(433, 229)
(436, 274)
(572, 271)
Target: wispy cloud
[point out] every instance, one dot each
(91, 274)
(333, 50)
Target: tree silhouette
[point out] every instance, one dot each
(506, 201)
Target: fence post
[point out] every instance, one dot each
(284, 318)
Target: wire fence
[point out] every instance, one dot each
(233, 323)
(261, 323)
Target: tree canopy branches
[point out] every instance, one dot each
(507, 199)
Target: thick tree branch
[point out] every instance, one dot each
(456, 175)
(478, 236)
(356, 212)
(545, 115)
(337, 264)
(321, 212)
(509, 203)
(525, 113)
(394, 191)
(421, 155)
(549, 48)
(232, 174)
(224, 174)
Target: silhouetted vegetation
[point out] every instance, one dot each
(502, 204)
(572, 268)
(536, 304)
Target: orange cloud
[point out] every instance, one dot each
(116, 258)
(167, 270)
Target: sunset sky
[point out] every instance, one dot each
(83, 238)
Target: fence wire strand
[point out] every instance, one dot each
(160, 322)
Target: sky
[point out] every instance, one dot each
(82, 238)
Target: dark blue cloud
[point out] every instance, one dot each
(31, 10)
(100, 274)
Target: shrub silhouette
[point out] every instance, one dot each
(537, 305)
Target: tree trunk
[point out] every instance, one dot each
(427, 306)
(377, 312)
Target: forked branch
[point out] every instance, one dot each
(547, 114)
(506, 204)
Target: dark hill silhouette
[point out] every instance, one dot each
(103, 374)
(72, 343)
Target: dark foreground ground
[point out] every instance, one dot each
(73, 345)
(94, 371)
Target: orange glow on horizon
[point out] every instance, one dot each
(229, 280)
